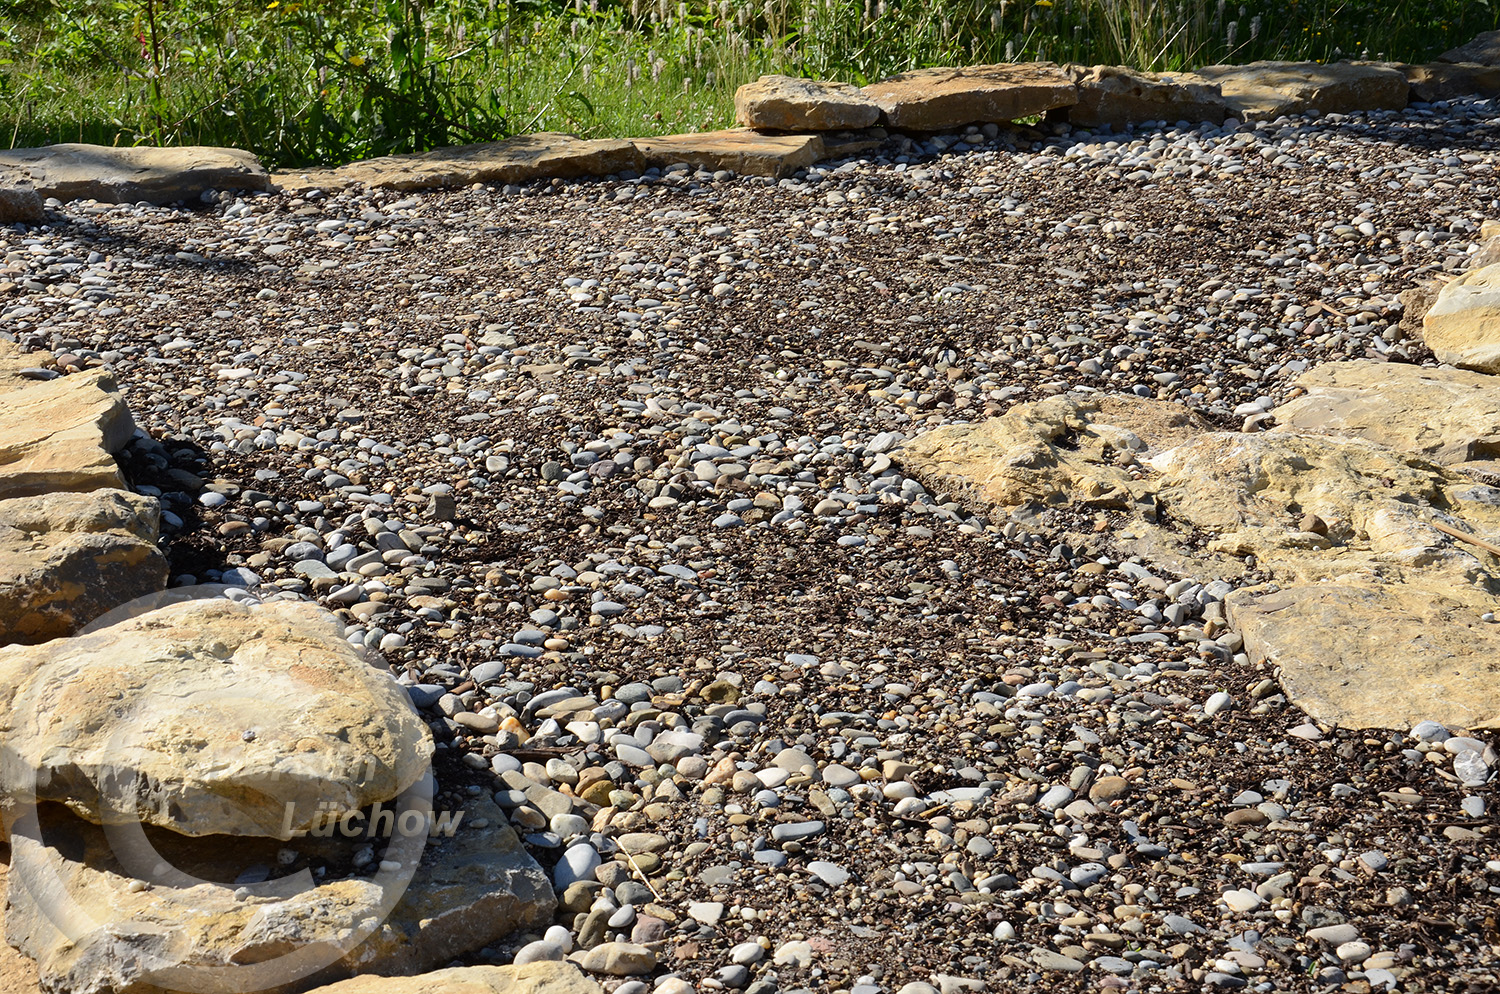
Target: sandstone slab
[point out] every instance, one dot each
(515, 160)
(209, 919)
(532, 978)
(207, 717)
(1264, 91)
(1118, 96)
(131, 175)
(67, 558)
(1463, 325)
(786, 103)
(1450, 417)
(945, 98)
(741, 150)
(1365, 654)
(1451, 81)
(59, 434)
(1484, 50)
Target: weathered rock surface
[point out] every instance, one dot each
(1118, 96)
(940, 99)
(1065, 448)
(470, 890)
(1449, 417)
(1213, 500)
(58, 434)
(1365, 654)
(1484, 50)
(79, 910)
(515, 160)
(17, 972)
(1451, 81)
(131, 175)
(786, 103)
(19, 204)
(67, 558)
(740, 150)
(207, 717)
(1463, 325)
(533, 978)
(1264, 91)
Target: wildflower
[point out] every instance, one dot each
(356, 60)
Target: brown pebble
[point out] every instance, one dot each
(1313, 523)
(1245, 817)
(1109, 789)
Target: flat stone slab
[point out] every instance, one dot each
(786, 103)
(740, 150)
(67, 558)
(1375, 655)
(1264, 91)
(516, 160)
(1118, 96)
(1450, 417)
(207, 717)
(58, 434)
(1463, 325)
(946, 98)
(1483, 50)
(546, 977)
(1448, 81)
(131, 175)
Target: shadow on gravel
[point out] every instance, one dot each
(177, 468)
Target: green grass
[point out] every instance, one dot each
(328, 81)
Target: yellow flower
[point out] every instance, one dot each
(273, 4)
(1044, 3)
(356, 60)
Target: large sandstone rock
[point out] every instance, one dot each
(19, 204)
(1448, 81)
(1117, 96)
(941, 99)
(515, 160)
(1463, 325)
(1484, 50)
(533, 978)
(741, 150)
(59, 434)
(67, 558)
(78, 907)
(1264, 91)
(785, 103)
(128, 175)
(1449, 417)
(207, 717)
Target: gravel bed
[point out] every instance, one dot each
(604, 469)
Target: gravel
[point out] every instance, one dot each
(603, 468)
